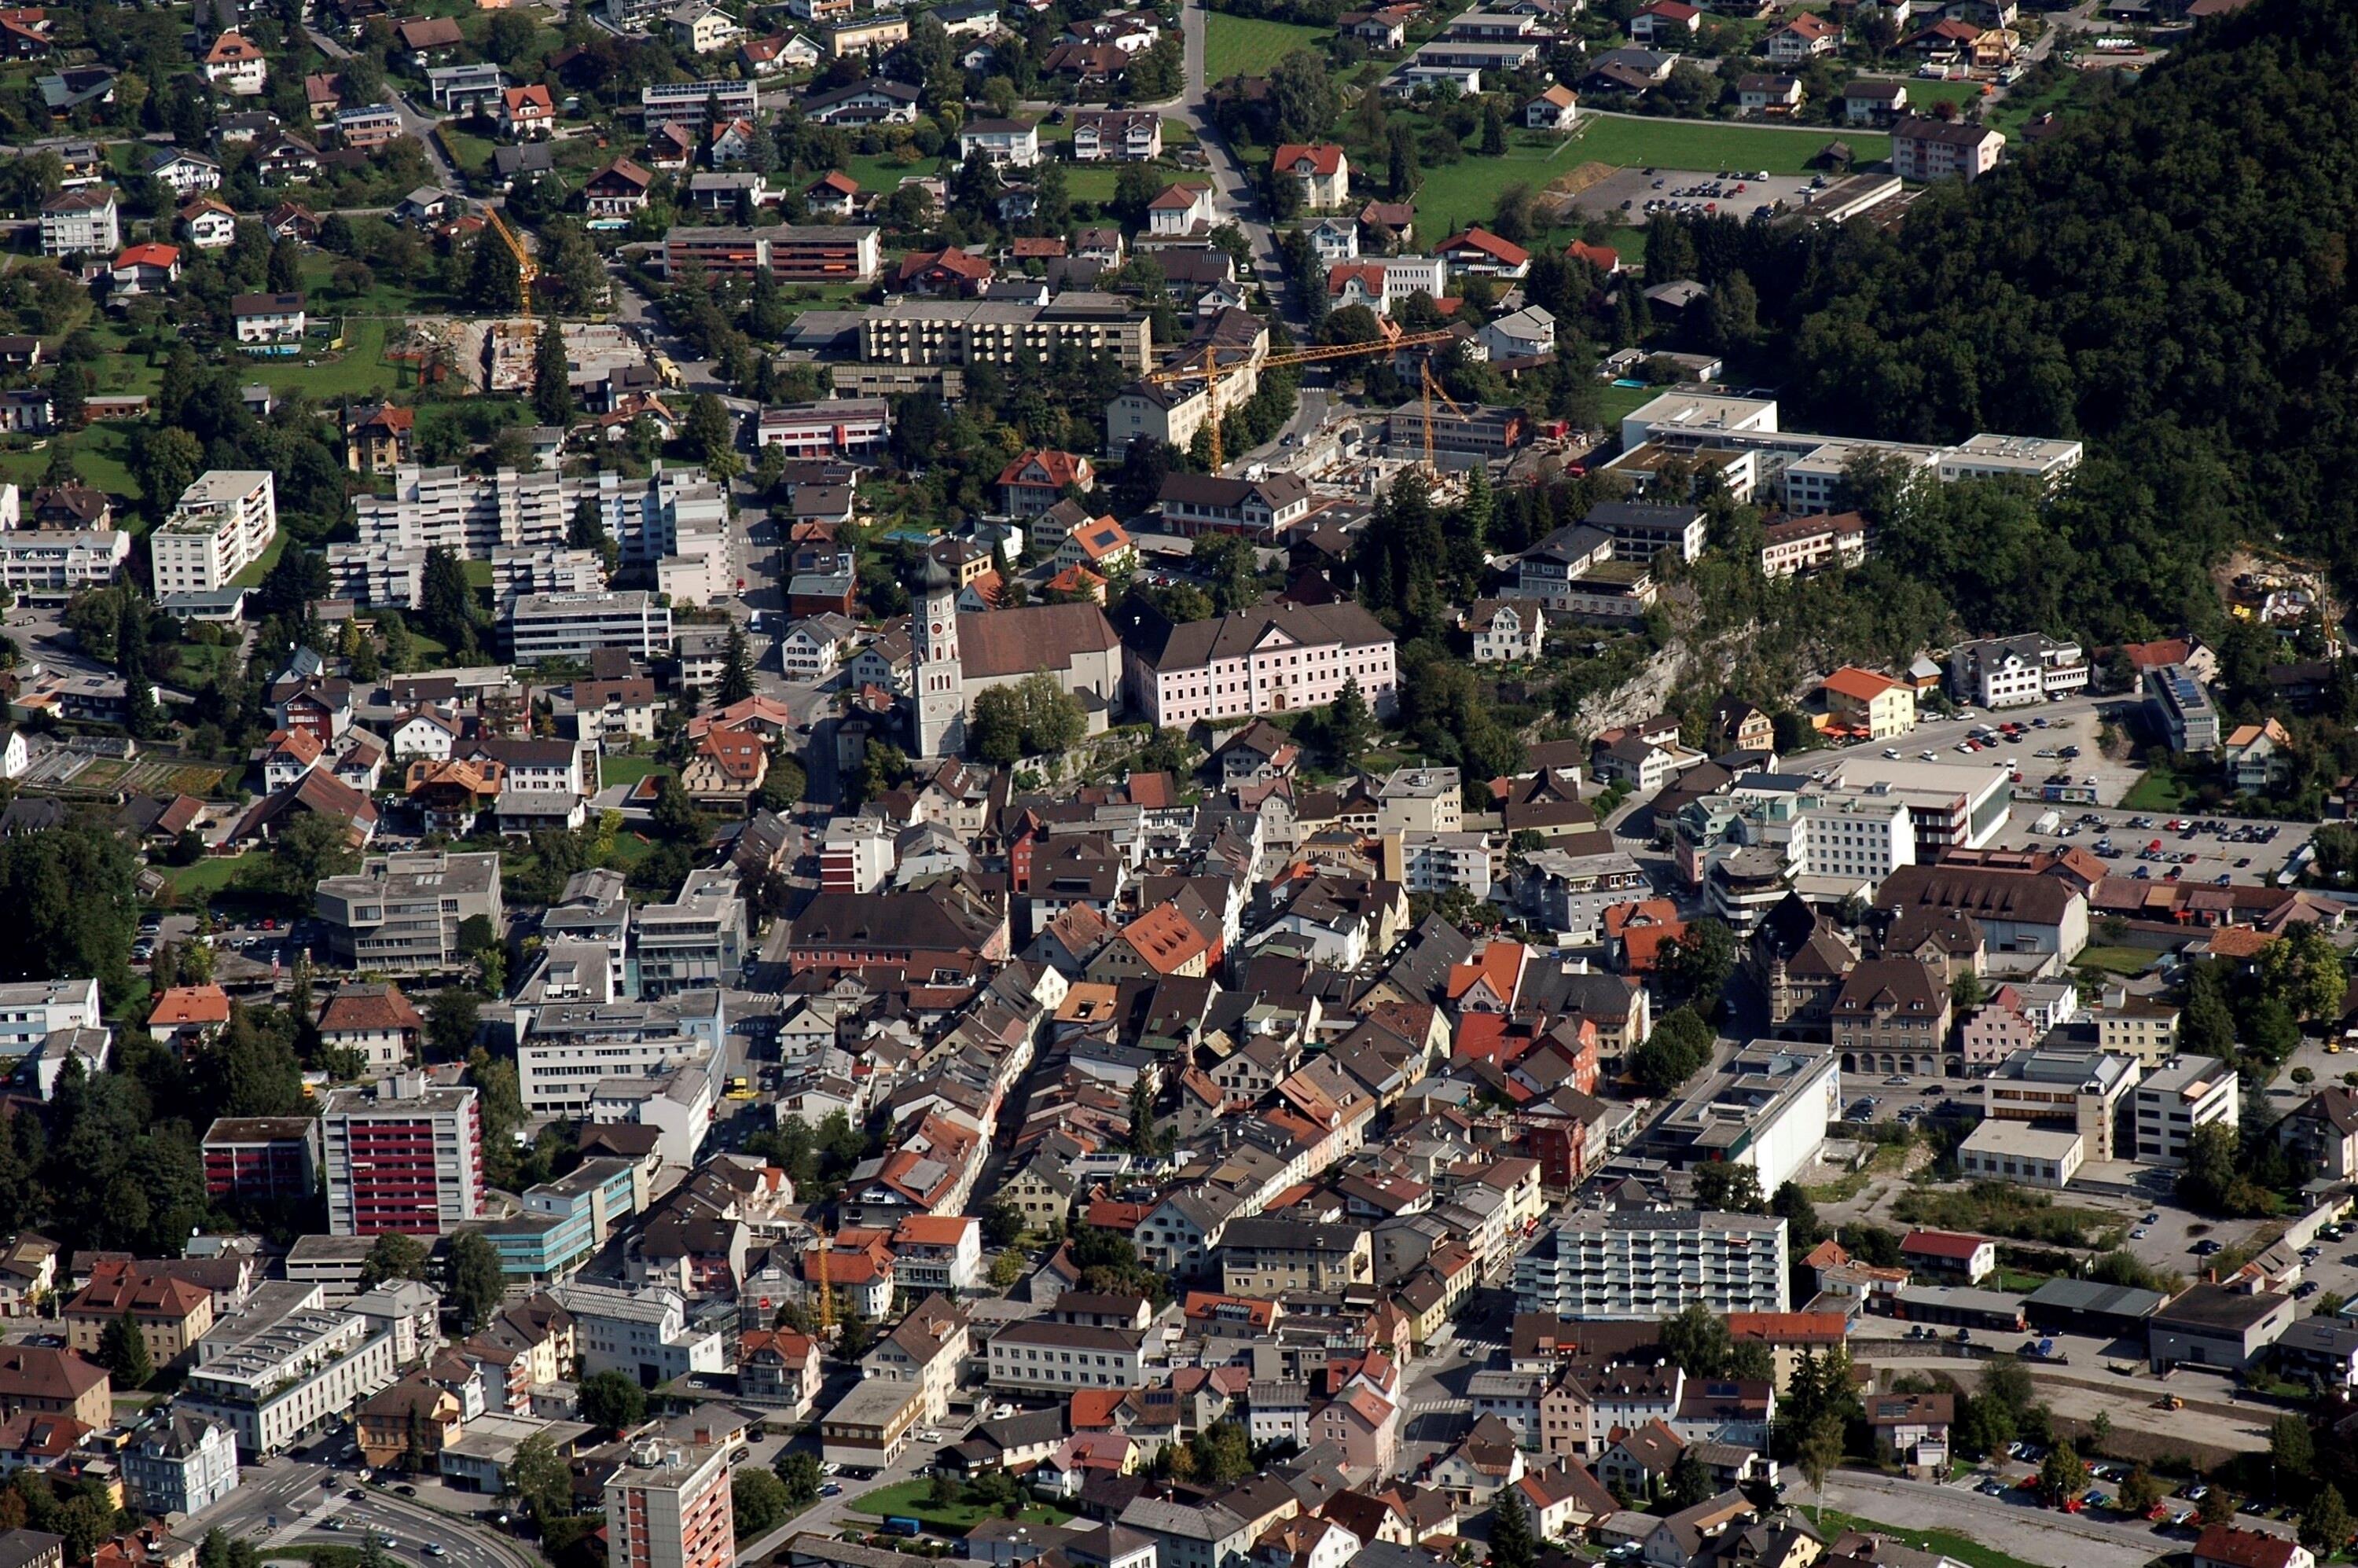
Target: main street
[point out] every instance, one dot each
(283, 1501)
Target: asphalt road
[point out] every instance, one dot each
(2013, 1524)
(281, 1502)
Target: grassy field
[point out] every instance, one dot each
(909, 1500)
(1615, 402)
(100, 451)
(2160, 790)
(260, 568)
(210, 875)
(1450, 197)
(627, 770)
(1924, 90)
(2117, 960)
(1245, 46)
(881, 173)
(1948, 1543)
(360, 368)
(1700, 144)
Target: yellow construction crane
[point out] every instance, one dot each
(1213, 374)
(1434, 389)
(826, 1290)
(526, 270)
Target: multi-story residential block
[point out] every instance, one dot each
(671, 1505)
(912, 331)
(80, 223)
(2182, 708)
(1264, 660)
(1797, 545)
(2065, 1085)
(575, 625)
(222, 523)
(843, 426)
(1653, 1263)
(2009, 672)
(1261, 509)
(401, 1156)
(1928, 149)
(179, 1464)
(700, 939)
(43, 566)
(1268, 1256)
(691, 104)
(2175, 1098)
(644, 1335)
(1042, 1356)
(2139, 1027)
(32, 1011)
(262, 1157)
(46, 1380)
(283, 1365)
(1126, 136)
(792, 253)
(403, 910)
(171, 1312)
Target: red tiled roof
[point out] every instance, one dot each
(1489, 243)
(1323, 157)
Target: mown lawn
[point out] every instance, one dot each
(1452, 196)
(1948, 1543)
(100, 451)
(359, 369)
(210, 875)
(2117, 960)
(1614, 403)
(1247, 45)
(1631, 142)
(627, 770)
(909, 1500)
(2161, 789)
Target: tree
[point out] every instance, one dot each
(1349, 722)
(1006, 1268)
(611, 1401)
(1513, 1544)
(708, 430)
(446, 600)
(395, 1255)
(2325, 1523)
(1725, 1188)
(1697, 1339)
(451, 1018)
(123, 1350)
(2140, 1491)
(1803, 1230)
(1690, 1480)
(736, 668)
(1821, 1450)
(798, 1470)
(1694, 967)
(1002, 1222)
(477, 1284)
(2063, 1475)
(541, 1480)
(760, 1502)
(1965, 991)
(552, 391)
(2219, 1506)
(587, 531)
(310, 848)
(2290, 1445)
(1678, 1049)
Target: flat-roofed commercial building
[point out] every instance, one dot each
(277, 1370)
(913, 331)
(575, 625)
(403, 910)
(793, 252)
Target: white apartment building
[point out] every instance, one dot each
(574, 625)
(379, 575)
(1437, 862)
(1040, 1355)
(1927, 149)
(544, 570)
(469, 514)
(32, 1011)
(221, 524)
(843, 426)
(2182, 1094)
(558, 1074)
(278, 1369)
(641, 1333)
(2012, 672)
(83, 222)
(403, 910)
(179, 1464)
(44, 566)
(1264, 660)
(698, 940)
(671, 1505)
(1645, 1264)
(401, 1155)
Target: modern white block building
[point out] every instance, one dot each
(223, 523)
(1643, 1263)
(574, 625)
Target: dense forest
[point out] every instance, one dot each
(2167, 278)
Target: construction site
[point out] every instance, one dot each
(503, 351)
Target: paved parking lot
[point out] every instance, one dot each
(1621, 197)
(2223, 847)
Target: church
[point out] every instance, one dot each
(956, 656)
